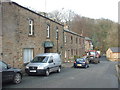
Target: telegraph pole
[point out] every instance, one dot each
(45, 6)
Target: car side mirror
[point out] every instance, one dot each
(8, 66)
(51, 61)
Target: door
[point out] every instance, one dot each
(47, 50)
(28, 55)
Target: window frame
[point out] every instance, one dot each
(57, 33)
(48, 31)
(31, 27)
(65, 39)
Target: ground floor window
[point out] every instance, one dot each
(65, 54)
(27, 55)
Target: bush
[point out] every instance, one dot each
(75, 57)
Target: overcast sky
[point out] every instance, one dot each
(96, 9)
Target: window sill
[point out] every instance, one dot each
(31, 35)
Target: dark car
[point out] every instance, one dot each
(10, 74)
(81, 62)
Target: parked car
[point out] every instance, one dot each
(10, 74)
(93, 59)
(81, 62)
(44, 64)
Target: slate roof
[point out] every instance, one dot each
(115, 49)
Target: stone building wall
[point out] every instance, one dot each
(74, 45)
(16, 36)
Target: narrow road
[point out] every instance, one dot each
(102, 75)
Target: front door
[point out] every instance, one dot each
(47, 50)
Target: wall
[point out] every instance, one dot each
(73, 48)
(16, 29)
(0, 31)
(112, 56)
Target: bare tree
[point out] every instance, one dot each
(62, 15)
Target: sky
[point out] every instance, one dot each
(95, 9)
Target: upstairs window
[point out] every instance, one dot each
(31, 27)
(57, 33)
(71, 39)
(76, 40)
(48, 31)
(65, 39)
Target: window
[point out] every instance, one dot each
(65, 54)
(48, 31)
(31, 27)
(76, 52)
(4, 66)
(40, 59)
(79, 41)
(65, 38)
(76, 40)
(72, 52)
(57, 33)
(71, 39)
(28, 55)
(51, 60)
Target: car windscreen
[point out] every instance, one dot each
(80, 60)
(40, 59)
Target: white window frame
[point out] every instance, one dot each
(57, 31)
(65, 54)
(48, 31)
(31, 27)
(27, 58)
(65, 39)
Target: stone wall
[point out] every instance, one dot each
(16, 33)
(73, 47)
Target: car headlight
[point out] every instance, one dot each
(40, 67)
(27, 67)
(83, 62)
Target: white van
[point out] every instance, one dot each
(44, 64)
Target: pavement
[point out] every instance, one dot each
(67, 64)
(118, 71)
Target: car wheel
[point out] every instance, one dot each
(17, 78)
(59, 69)
(86, 66)
(47, 72)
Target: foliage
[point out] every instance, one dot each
(103, 32)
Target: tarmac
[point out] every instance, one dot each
(118, 71)
(67, 64)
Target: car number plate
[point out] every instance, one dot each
(32, 70)
(79, 65)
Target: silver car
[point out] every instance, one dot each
(44, 64)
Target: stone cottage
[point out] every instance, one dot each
(113, 53)
(25, 33)
(74, 45)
